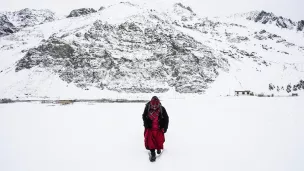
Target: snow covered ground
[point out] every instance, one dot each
(211, 134)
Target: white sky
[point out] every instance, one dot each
(288, 8)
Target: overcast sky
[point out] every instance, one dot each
(293, 9)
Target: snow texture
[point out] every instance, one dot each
(214, 134)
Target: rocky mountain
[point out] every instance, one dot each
(81, 12)
(300, 25)
(6, 27)
(11, 22)
(107, 55)
(145, 50)
(269, 18)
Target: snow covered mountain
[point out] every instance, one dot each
(81, 12)
(11, 22)
(267, 18)
(6, 26)
(148, 50)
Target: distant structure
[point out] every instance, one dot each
(243, 93)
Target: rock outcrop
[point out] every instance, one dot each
(81, 12)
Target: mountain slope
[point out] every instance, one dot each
(268, 18)
(11, 22)
(144, 50)
(6, 27)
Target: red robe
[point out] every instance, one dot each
(154, 137)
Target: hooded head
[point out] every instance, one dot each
(154, 103)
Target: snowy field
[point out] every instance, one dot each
(205, 134)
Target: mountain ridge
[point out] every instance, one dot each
(270, 18)
(149, 51)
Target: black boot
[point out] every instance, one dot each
(158, 151)
(153, 156)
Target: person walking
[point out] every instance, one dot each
(156, 121)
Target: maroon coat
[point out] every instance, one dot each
(155, 127)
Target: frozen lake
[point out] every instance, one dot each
(212, 134)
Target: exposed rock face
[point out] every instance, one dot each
(6, 27)
(264, 35)
(238, 39)
(81, 12)
(30, 17)
(269, 18)
(300, 25)
(52, 48)
(11, 22)
(183, 6)
(155, 58)
(149, 51)
(185, 13)
(101, 8)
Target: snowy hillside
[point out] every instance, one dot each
(145, 50)
(12, 21)
(267, 18)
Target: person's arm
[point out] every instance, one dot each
(166, 119)
(144, 116)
